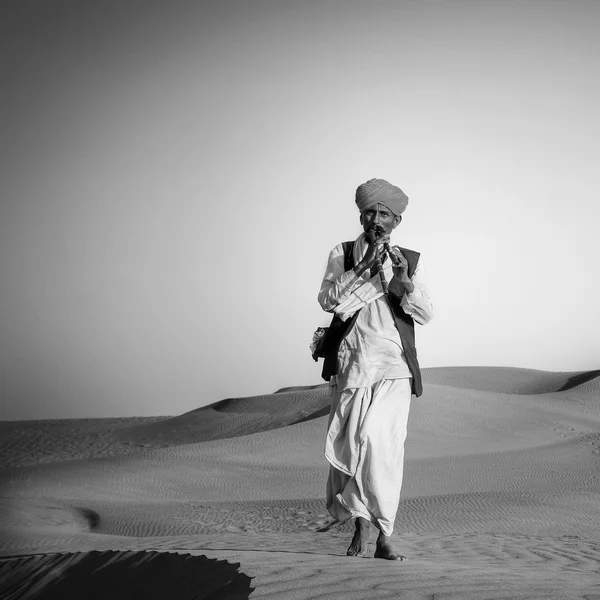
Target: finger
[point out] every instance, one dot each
(400, 261)
(399, 256)
(396, 254)
(395, 260)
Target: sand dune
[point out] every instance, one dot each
(34, 442)
(233, 417)
(509, 380)
(501, 495)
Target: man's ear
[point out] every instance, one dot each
(397, 221)
(361, 219)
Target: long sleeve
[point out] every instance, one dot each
(337, 284)
(418, 304)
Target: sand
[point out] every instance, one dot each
(501, 498)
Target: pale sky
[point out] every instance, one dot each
(174, 175)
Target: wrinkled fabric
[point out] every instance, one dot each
(365, 448)
(379, 191)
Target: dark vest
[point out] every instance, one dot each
(404, 323)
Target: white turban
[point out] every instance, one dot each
(379, 191)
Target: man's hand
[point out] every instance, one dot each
(373, 250)
(400, 268)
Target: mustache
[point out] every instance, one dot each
(374, 232)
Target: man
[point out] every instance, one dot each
(371, 364)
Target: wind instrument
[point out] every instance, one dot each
(373, 234)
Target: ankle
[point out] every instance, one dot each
(362, 528)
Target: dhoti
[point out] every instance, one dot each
(365, 448)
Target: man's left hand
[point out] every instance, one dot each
(400, 268)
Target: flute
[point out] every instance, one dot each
(373, 235)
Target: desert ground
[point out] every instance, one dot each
(501, 498)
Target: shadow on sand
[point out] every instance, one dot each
(579, 379)
(121, 576)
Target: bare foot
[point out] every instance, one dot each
(358, 545)
(385, 549)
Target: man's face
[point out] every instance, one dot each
(381, 218)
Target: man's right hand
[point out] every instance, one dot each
(373, 250)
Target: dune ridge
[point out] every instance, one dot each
(287, 406)
(233, 417)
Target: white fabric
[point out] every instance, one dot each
(372, 349)
(365, 448)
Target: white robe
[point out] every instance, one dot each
(365, 448)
